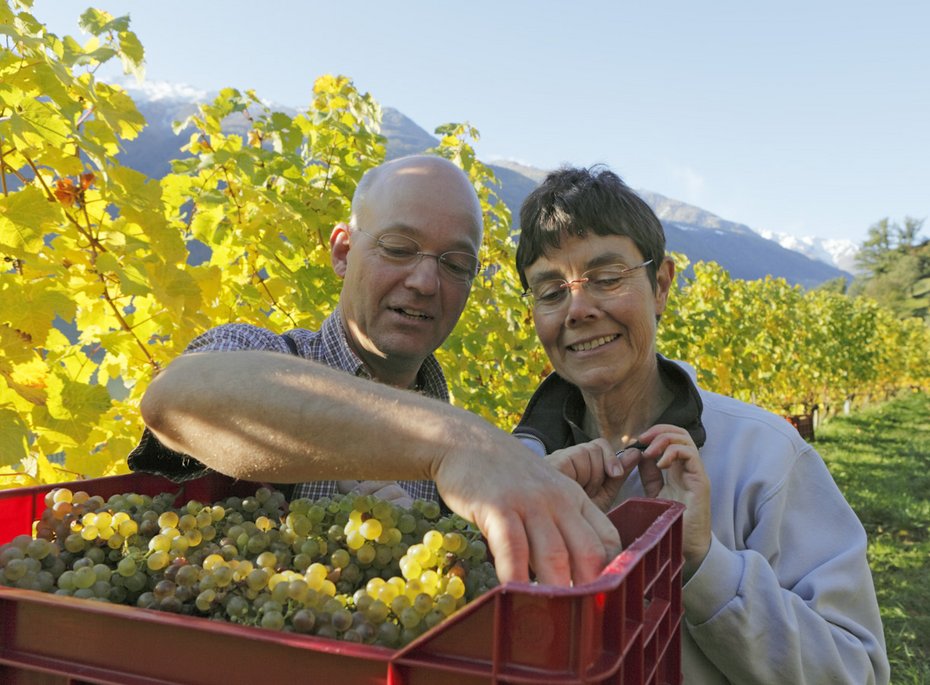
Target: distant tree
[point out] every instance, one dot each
(838, 285)
(894, 267)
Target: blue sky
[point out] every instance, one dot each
(802, 117)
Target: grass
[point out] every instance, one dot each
(880, 458)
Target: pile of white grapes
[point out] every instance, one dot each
(351, 567)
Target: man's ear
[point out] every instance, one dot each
(339, 249)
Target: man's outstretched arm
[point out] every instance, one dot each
(264, 416)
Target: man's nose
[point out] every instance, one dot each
(424, 273)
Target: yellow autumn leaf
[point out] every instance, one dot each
(34, 308)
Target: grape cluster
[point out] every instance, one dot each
(350, 567)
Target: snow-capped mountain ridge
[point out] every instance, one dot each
(839, 253)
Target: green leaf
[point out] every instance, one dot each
(118, 111)
(14, 436)
(205, 221)
(132, 54)
(95, 21)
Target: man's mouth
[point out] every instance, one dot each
(591, 344)
(412, 313)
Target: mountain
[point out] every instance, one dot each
(700, 235)
(745, 254)
(839, 253)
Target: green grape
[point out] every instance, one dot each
(433, 618)
(311, 548)
(273, 620)
(342, 619)
(267, 560)
(117, 595)
(160, 543)
(455, 587)
(257, 543)
(15, 569)
(388, 634)
(187, 575)
(377, 612)
(407, 523)
(136, 582)
(316, 513)
(409, 617)
(257, 579)
(222, 576)
(303, 621)
(168, 519)
(193, 537)
(280, 592)
(95, 555)
(410, 567)
(298, 590)
(340, 558)
(39, 549)
(384, 554)
(477, 550)
(400, 603)
(84, 577)
(371, 529)
(74, 543)
(446, 603)
(157, 560)
(423, 603)
(237, 607)
(354, 539)
(366, 554)
(103, 572)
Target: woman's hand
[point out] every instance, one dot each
(671, 450)
(382, 489)
(595, 467)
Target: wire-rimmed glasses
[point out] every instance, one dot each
(401, 249)
(600, 282)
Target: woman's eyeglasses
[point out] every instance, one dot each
(601, 283)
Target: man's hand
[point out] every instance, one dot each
(532, 516)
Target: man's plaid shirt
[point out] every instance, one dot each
(327, 346)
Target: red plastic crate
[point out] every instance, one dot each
(623, 628)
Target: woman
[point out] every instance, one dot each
(776, 586)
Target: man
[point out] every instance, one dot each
(407, 259)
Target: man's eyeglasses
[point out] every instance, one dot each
(400, 249)
(601, 282)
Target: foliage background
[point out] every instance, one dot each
(109, 274)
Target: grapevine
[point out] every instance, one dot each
(350, 567)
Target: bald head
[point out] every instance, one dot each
(448, 184)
